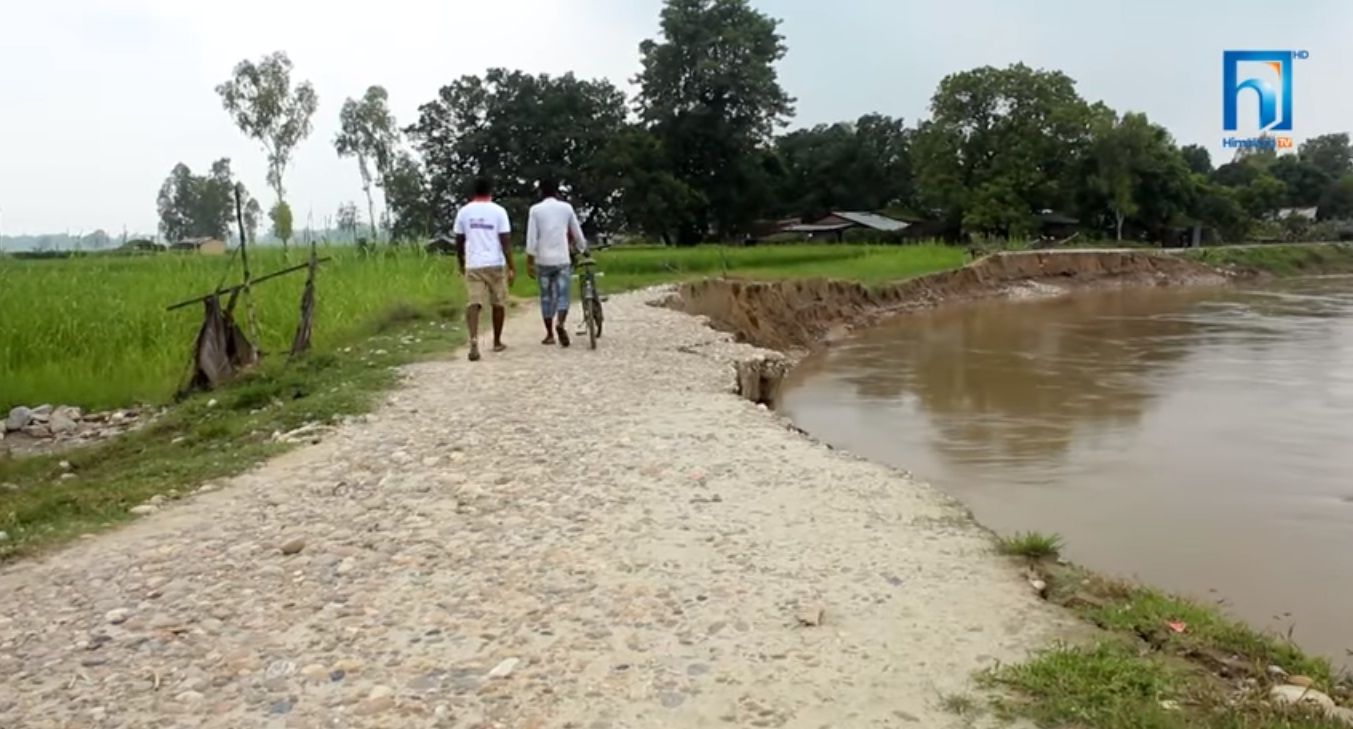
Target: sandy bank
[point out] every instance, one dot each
(546, 538)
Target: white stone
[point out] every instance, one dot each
(504, 669)
(1288, 694)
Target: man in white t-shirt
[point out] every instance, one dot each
(484, 251)
(552, 234)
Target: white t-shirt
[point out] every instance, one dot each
(481, 222)
(547, 232)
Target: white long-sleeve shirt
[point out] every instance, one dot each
(547, 231)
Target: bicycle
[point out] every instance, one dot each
(591, 299)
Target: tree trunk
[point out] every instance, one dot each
(1118, 216)
(371, 211)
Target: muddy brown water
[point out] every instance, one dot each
(1200, 440)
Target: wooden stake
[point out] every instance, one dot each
(244, 257)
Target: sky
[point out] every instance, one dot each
(99, 99)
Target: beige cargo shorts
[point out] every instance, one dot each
(487, 286)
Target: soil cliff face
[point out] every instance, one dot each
(799, 314)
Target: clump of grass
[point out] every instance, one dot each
(1031, 545)
(960, 704)
(1160, 662)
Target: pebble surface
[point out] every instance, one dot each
(546, 538)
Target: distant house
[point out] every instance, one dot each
(441, 245)
(141, 245)
(837, 224)
(205, 246)
(1307, 213)
(1052, 224)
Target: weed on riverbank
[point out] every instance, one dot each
(1160, 662)
(47, 500)
(1278, 259)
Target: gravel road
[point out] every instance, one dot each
(545, 538)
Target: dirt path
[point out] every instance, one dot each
(623, 540)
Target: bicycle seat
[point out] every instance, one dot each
(587, 261)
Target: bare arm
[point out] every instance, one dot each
(458, 230)
(506, 240)
(532, 242)
(575, 233)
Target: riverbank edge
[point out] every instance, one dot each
(1154, 656)
(797, 317)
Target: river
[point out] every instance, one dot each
(1200, 440)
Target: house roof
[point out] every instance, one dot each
(815, 228)
(871, 220)
(1308, 213)
(1057, 218)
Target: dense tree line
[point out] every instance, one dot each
(701, 153)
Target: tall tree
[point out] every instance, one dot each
(200, 206)
(710, 94)
(368, 132)
(1264, 196)
(518, 128)
(1198, 159)
(1001, 145)
(1136, 173)
(863, 165)
(1337, 201)
(408, 200)
(1305, 181)
(1330, 153)
(260, 99)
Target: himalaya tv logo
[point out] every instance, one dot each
(1269, 75)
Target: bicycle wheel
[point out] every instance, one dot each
(596, 315)
(592, 326)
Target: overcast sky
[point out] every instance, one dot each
(99, 99)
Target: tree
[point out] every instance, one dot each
(1116, 150)
(863, 165)
(1330, 153)
(1306, 182)
(280, 214)
(349, 219)
(1337, 201)
(710, 94)
(1136, 174)
(368, 132)
(261, 101)
(1263, 197)
(1198, 159)
(650, 196)
(407, 200)
(1219, 207)
(517, 129)
(1001, 145)
(193, 206)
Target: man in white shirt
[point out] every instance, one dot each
(484, 251)
(550, 229)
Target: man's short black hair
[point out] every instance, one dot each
(549, 187)
(483, 187)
